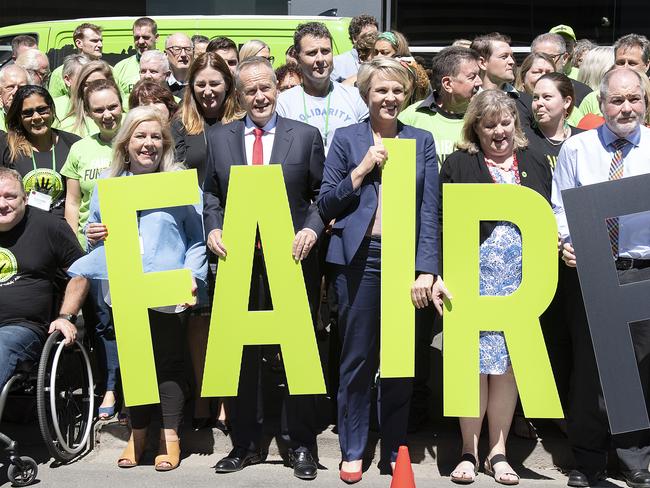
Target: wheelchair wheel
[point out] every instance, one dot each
(65, 397)
(24, 472)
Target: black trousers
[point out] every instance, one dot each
(168, 335)
(246, 410)
(588, 428)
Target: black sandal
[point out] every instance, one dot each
(462, 480)
(498, 475)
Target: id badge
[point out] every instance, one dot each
(39, 200)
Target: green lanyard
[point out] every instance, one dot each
(53, 159)
(327, 113)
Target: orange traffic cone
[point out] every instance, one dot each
(403, 473)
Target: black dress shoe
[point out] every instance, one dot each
(304, 465)
(580, 479)
(237, 460)
(637, 478)
(576, 478)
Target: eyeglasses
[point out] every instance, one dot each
(556, 57)
(29, 113)
(176, 50)
(270, 59)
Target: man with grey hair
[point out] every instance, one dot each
(19, 44)
(154, 66)
(554, 46)
(12, 77)
(37, 66)
(632, 51)
(200, 43)
(180, 53)
(619, 148)
(261, 138)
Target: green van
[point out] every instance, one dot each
(55, 37)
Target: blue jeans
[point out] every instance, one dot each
(106, 334)
(17, 343)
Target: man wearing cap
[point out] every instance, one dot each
(566, 31)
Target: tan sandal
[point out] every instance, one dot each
(171, 455)
(467, 476)
(499, 473)
(131, 455)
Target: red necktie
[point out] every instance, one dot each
(258, 157)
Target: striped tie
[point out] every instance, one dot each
(615, 173)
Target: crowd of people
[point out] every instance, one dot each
(571, 114)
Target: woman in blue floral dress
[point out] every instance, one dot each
(493, 150)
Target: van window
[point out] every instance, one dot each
(5, 46)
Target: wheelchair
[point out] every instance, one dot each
(65, 402)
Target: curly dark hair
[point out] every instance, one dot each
(314, 29)
(358, 23)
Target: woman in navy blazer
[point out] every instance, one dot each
(350, 195)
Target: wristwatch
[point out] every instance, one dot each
(69, 317)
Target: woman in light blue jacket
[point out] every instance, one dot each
(171, 238)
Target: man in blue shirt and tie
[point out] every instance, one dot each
(619, 148)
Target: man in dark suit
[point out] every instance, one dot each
(263, 137)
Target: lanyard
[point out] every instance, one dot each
(327, 113)
(53, 159)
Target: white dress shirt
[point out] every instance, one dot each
(585, 159)
(267, 139)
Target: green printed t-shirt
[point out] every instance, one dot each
(61, 107)
(57, 86)
(127, 74)
(573, 74)
(89, 127)
(590, 105)
(86, 161)
(445, 128)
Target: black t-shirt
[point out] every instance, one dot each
(547, 149)
(42, 179)
(581, 91)
(192, 150)
(32, 255)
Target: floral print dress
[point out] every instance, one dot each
(500, 275)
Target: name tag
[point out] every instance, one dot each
(39, 200)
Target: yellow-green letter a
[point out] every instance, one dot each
(257, 197)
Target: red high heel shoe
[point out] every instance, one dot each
(350, 477)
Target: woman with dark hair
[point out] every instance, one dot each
(210, 100)
(147, 92)
(553, 103)
(36, 150)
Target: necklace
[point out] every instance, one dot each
(555, 142)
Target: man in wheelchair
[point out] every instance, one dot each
(36, 247)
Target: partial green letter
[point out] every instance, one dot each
(517, 315)
(257, 197)
(132, 290)
(398, 259)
